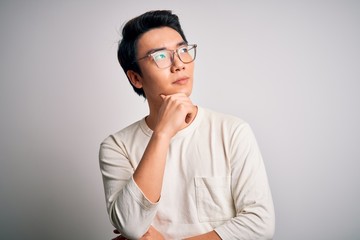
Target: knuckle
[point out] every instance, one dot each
(180, 106)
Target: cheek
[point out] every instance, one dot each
(149, 70)
(155, 80)
(190, 67)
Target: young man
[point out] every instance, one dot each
(183, 171)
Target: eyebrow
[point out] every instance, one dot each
(163, 48)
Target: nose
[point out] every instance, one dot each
(177, 64)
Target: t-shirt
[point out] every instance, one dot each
(214, 179)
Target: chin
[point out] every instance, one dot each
(186, 92)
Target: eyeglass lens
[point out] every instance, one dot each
(164, 58)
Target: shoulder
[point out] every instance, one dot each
(124, 134)
(228, 126)
(222, 119)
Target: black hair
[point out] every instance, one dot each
(134, 29)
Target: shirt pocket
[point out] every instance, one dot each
(214, 199)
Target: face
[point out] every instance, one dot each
(178, 78)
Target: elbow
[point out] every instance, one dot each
(128, 228)
(269, 231)
(131, 233)
(261, 224)
(268, 227)
(264, 229)
(131, 213)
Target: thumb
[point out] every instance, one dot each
(162, 96)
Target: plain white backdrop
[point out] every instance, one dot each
(289, 68)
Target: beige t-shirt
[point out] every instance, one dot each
(214, 179)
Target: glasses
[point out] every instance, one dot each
(165, 58)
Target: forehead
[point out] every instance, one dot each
(164, 37)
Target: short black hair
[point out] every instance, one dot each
(134, 29)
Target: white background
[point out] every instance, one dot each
(289, 68)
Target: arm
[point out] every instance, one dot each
(176, 113)
(129, 210)
(255, 217)
(152, 165)
(132, 194)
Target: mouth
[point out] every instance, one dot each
(181, 81)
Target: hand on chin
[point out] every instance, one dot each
(182, 91)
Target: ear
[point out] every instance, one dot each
(135, 78)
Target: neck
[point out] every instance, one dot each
(151, 119)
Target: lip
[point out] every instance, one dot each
(181, 80)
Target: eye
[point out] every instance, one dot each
(159, 55)
(183, 49)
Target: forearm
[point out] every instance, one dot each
(150, 171)
(175, 113)
(130, 210)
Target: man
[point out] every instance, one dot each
(183, 171)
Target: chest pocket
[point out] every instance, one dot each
(213, 199)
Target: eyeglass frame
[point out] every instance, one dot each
(194, 46)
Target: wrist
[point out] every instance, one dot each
(161, 136)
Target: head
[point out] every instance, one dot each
(134, 29)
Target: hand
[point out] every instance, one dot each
(175, 113)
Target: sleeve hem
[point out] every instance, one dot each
(139, 196)
(221, 232)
